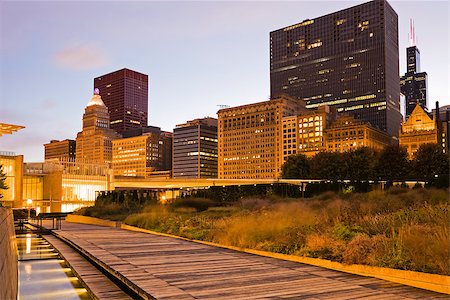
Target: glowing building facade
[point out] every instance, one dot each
(347, 59)
(13, 168)
(94, 142)
(419, 129)
(348, 133)
(250, 137)
(140, 156)
(305, 133)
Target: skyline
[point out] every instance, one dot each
(168, 56)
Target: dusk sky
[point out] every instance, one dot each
(197, 54)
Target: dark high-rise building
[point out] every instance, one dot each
(347, 59)
(63, 150)
(413, 85)
(195, 149)
(125, 93)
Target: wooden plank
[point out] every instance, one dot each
(98, 285)
(170, 268)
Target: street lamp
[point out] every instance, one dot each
(29, 203)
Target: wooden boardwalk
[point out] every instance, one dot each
(169, 268)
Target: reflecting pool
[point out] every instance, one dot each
(43, 274)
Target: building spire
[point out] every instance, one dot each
(412, 33)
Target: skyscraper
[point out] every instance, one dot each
(125, 93)
(347, 59)
(94, 141)
(195, 149)
(413, 85)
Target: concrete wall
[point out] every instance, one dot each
(8, 256)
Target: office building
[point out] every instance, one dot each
(195, 149)
(304, 133)
(142, 155)
(419, 129)
(94, 142)
(347, 133)
(444, 128)
(347, 59)
(250, 137)
(413, 85)
(65, 150)
(125, 93)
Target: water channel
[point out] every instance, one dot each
(43, 274)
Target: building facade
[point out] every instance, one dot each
(13, 168)
(142, 155)
(419, 129)
(94, 142)
(65, 150)
(347, 59)
(444, 120)
(304, 134)
(125, 93)
(348, 133)
(413, 85)
(250, 138)
(195, 149)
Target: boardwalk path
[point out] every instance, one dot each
(170, 268)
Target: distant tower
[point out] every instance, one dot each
(413, 85)
(125, 94)
(94, 140)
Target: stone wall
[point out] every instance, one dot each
(8, 256)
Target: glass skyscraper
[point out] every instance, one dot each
(125, 93)
(413, 85)
(347, 59)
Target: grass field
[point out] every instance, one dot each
(401, 228)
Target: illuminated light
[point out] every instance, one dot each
(340, 22)
(316, 44)
(371, 34)
(28, 243)
(28, 269)
(364, 97)
(304, 23)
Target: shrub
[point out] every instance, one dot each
(323, 246)
(364, 249)
(200, 204)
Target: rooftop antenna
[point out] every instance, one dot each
(412, 34)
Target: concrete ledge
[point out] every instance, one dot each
(432, 282)
(92, 221)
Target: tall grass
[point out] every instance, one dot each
(404, 229)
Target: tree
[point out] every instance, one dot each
(392, 163)
(3, 185)
(361, 164)
(429, 163)
(328, 165)
(296, 167)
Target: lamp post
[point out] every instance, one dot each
(29, 203)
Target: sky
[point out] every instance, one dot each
(198, 55)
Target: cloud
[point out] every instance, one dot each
(81, 57)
